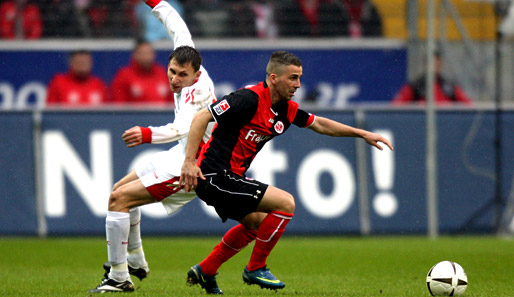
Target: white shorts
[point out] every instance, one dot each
(160, 176)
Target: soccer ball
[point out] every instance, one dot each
(447, 278)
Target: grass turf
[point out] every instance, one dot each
(310, 266)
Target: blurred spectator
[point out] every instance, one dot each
(111, 18)
(77, 87)
(143, 81)
(65, 18)
(25, 14)
(151, 27)
(241, 21)
(352, 18)
(208, 18)
(362, 17)
(446, 91)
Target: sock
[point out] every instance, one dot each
(136, 258)
(134, 237)
(236, 239)
(119, 272)
(136, 255)
(270, 231)
(117, 226)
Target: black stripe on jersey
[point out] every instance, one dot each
(243, 106)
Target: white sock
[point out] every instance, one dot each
(134, 239)
(117, 225)
(119, 272)
(136, 258)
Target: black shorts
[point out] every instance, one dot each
(232, 196)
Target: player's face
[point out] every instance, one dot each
(288, 82)
(181, 76)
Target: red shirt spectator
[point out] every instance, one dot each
(143, 81)
(77, 87)
(446, 92)
(31, 22)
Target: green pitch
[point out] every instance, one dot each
(309, 266)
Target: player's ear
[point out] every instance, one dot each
(273, 78)
(197, 75)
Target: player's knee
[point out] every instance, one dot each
(287, 204)
(116, 201)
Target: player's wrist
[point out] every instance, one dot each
(146, 134)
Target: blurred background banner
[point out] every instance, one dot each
(333, 77)
(366, 63)
(82, 154)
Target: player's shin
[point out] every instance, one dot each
(117, 225)
(136, 255)
(236, 239)
(270, 231)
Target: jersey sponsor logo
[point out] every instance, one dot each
(252, 136)
(222, 107)
(279, 127)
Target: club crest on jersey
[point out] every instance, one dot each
(221, 107)
(279, 127)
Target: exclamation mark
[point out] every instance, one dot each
(385, 203)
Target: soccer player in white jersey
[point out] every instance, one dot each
(157, 180)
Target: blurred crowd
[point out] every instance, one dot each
(34, 19)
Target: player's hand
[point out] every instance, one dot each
(189, 175)
(133, 136)
(374, 139)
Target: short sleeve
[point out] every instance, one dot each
(303, 119)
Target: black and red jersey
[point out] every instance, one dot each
(245, 121)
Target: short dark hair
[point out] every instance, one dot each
(80, 52)
(280, 59)
(139, 42)
(186, 54)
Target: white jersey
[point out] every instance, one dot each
(161, 173)
(191, 99)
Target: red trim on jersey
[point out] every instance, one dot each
(190, 96)
(310, 121)
(200, 155)
(147, 134)
(162, 190)
(202, 143)
(152, 3)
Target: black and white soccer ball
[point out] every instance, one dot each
(447, 278)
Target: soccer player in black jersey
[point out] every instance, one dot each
(245, 120)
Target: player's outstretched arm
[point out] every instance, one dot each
(190, 171)
(332, 128)
(172, 21)
(156, 135)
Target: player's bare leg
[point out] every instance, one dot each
(128, 194)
